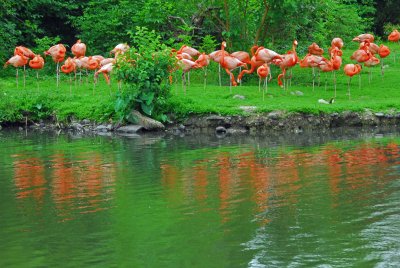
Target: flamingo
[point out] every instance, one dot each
(188, 50)
(253, 63)
(263, 71)
(311, 61)
(105, 70)
(216, 57)
(243, 56)
(37, 63)
(364, 37)
(186, 65)
(337, 42)
(204, 61)
(68, 67)
(57, 53)
(383, 52)
(394, 36)
(372, 61)
(230, 63)
(26, 52)
(314, 49)
(78, 49)
(336, 58)
(350, 70)
(17, 61)
(120, 49)
(289, 60)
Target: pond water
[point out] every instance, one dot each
(300, 200)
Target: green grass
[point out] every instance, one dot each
(382, 94)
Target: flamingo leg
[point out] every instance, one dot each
(334, 81)
(259, 84)
(326, 80)
(219, 74)
(184, 82)
(205, 78)
(313, 79)
(188, 79)
(37, 80)
(70, 84)
(348, 86)
(24, 77)
(58, 73)
(382, 71)
(240, 70)
(16, 77)
(359, 80)
(266, 85)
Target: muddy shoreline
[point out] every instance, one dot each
(251, 124)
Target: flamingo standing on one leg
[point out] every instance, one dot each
(68, 67)
(186, 65)
(17, 61)
(216, 57)
(362, 55)
(263, 71)
(57, 53)
(78, 49)
(394, 36)
(105, 70)
(383, 52)
(37, 63)
(350, 70)
(372, 61)
(203, 61)
(336, 58)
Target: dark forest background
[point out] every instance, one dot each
(39, 24)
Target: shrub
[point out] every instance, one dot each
(144, 70)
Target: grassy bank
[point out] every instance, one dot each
(42, 99)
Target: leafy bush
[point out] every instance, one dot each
(144, 69)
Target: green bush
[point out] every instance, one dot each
(144, 70)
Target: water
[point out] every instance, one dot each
(303, 200)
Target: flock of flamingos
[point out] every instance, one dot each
(188, 58)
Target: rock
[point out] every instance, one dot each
(20, 128)
(182, 127)
(379, 115)
(220, 129)
(1, 127)
(248, 109)
(275, 115)
(130, 129)
(147, 122)
(215, 117)
(239, 97)
(101, 128)
(85, 122)
(109, 127)
(299, 93)
(236, 131)
(76, 126)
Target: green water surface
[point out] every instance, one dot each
(306, 200)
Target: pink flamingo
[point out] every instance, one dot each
(230, 63)
(263, 71)
(57, 53)
(17, 61)
(350, 70)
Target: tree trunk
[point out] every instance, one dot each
(262, 23)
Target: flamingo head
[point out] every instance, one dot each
(295, 43)
(223, 44)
